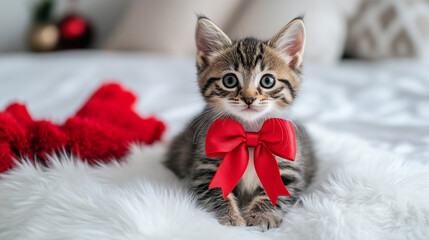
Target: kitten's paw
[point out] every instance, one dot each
(232, 220)
(263, 220)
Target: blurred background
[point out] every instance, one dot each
(368, 29)
(366, 61)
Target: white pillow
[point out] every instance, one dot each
(324, 20)
(166, 26)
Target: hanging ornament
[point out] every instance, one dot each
(43, 35)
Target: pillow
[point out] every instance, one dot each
(390, 29)
(325, 23)
(167, 26)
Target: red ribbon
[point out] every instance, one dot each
(226, 138)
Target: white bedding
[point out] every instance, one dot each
(384, 103)
(360, 192)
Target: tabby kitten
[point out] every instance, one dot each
(249, 81)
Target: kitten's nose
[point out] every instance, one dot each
(249, 100)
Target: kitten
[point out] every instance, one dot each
(249, 81)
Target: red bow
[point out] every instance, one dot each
(226, 138)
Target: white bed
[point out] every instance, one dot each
(384, 104)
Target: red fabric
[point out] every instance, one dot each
(99, 132)
(226, 138)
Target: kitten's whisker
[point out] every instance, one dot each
(204, 122)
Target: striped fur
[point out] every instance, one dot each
(250, 60)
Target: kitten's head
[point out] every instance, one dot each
(248, 78)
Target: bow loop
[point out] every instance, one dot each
(279, 136)
(223, 136)
(226, 138)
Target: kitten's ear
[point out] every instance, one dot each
(209, 38)
(290, 42)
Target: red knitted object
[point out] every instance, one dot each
(99, 132)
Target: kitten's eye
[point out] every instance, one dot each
(230, 80)
(267, 81)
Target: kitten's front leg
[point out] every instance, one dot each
(261, 212)
(226, 210)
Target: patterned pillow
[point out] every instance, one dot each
(390, 28)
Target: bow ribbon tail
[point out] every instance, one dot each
(231, 170)
(269, 174)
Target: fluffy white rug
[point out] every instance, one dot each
(359, 193)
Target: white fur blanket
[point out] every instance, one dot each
(359, 193)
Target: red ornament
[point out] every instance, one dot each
(75, 32)
(73, 27)
(226, 138)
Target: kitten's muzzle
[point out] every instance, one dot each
(248, 100)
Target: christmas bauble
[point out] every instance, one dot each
(43, 37)
(75, 32)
